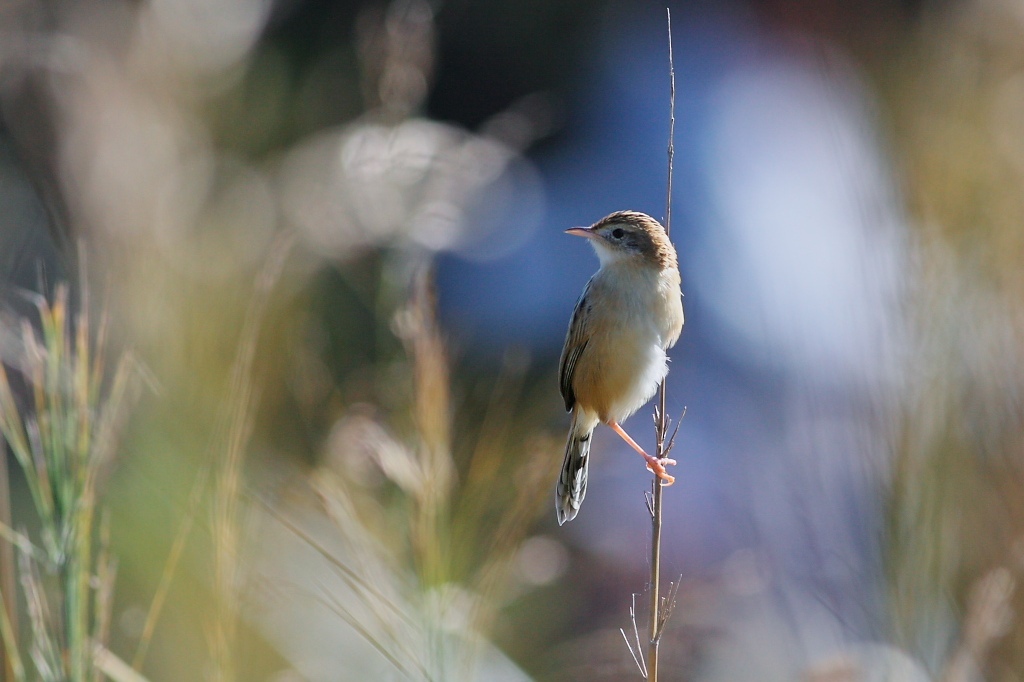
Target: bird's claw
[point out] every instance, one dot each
(657, 467)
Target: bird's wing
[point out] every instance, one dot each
(575, 342)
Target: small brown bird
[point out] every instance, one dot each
(629, 314)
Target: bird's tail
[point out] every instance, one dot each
(572, 482)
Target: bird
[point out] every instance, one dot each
(629, 314)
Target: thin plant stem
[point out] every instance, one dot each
(227, 505)
(170, 567)
(655, 634)
(658, 615)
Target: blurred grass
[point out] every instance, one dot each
(954, 97)
(313, 378)
(453, 513)
(329, 393)
(63, 436)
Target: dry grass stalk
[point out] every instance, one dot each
(228, 510)
(169, 570)
(661, 608)
(424, 555)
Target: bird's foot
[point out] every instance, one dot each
(657, 467)
(654, 465)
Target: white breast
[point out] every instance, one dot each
(649, 372)
(637, 335)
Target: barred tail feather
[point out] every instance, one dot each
(572, 482)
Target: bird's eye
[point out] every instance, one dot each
(618, 232)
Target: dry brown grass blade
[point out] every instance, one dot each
(113, 667)
(391, 625)
(418, 328)
(14, 667)
(515, 523)
(170, 569)
(227, 505)
(989, 617)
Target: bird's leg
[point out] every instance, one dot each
(654, 465)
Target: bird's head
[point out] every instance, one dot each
(629, 235)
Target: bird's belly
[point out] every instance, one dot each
(622, 372)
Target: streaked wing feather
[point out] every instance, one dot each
(575, 343)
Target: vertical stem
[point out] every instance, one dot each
(656, 621)
(228, 517)
(671, 151)
(652, 649)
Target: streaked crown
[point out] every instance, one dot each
(636, 233)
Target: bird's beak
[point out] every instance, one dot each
(582, 232)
